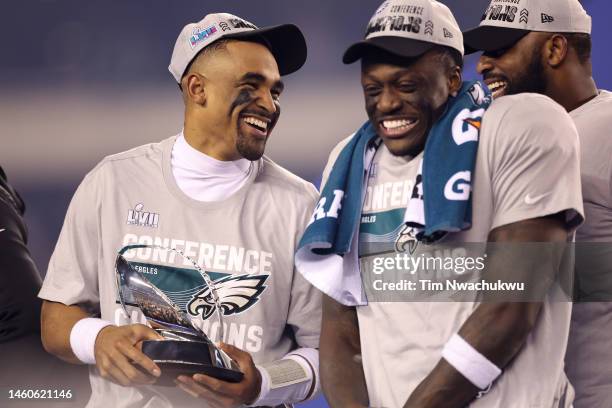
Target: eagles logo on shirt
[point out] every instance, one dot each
(406, 240)
(236, 294)
(184, 282)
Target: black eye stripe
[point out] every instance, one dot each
(244, 97)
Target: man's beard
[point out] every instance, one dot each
(532, 79)
(250, 149)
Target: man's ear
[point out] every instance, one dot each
(555, 50)
(194, 86)
(455, 80)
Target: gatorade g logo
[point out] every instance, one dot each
(458, 187)
(466, 126)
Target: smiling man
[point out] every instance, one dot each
(548, 51)
(436, 161)
(210, 193)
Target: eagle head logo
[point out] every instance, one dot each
(406, 240)
(236, 294)
(478, 94)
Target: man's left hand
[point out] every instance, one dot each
(223, 394)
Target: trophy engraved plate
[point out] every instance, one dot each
(186, 349)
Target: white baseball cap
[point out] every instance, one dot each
(286, 42)
(408, 28)
(505, 22)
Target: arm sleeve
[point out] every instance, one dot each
(534, 157)
(19, 307)
(72, 276)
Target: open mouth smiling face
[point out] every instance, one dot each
(396, 127)
(255, 126)
(255, 107)
(404, 97)
(516, 68)
(497, 87)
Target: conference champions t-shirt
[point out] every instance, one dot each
(528, 147)
(132, 198)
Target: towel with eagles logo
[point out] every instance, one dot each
(440, 202)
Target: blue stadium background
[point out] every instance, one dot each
(80, 80)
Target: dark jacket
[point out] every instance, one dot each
(19, 278)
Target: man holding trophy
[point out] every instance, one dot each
(171, 246)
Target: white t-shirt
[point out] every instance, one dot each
(528, 147)
(133, 198)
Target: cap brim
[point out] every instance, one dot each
(403, 47)
(287, 45)
(491, 38)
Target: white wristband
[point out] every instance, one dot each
(83, 338)
(470, 363)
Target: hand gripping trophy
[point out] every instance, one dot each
(186, 349)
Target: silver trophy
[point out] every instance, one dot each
(186, 349)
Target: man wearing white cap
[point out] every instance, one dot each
(210, 194)
(434, 143)
(547, 49)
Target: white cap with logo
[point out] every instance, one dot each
(286, 42)
(408, 28)
(507, 21)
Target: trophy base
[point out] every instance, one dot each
(180, 357)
